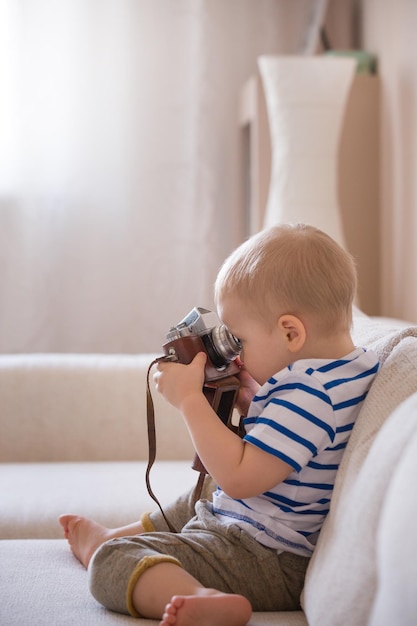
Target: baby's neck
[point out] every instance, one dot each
(327, 347)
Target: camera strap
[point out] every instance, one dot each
(150, 414)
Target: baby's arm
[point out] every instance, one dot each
(234, 464)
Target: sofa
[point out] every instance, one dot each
(73, 438)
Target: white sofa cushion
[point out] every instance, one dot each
(42, 584)
(83, 407)
(33, 495)
(396, 546)
(341, 579)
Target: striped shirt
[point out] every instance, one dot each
(303, 415)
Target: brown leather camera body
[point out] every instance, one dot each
(184, 349)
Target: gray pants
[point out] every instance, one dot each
(220, 557)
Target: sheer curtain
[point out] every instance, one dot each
(120, 181)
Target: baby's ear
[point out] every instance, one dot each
(294, 332)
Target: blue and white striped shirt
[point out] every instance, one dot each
(304, 415)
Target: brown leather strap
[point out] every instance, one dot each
(150, 414)
(199, 487)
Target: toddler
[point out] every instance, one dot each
(287, 295)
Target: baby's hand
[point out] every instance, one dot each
(176, 381)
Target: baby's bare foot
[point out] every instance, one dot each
(213, 609)
(84, 536)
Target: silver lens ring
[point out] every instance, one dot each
(225, 344)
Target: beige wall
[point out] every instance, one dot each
(389, 29)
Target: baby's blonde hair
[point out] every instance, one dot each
(295, 269)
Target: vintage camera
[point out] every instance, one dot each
(202, 331)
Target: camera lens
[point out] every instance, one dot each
(225, 346)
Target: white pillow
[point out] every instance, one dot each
(396, 542)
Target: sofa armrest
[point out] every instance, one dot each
(72, 407)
